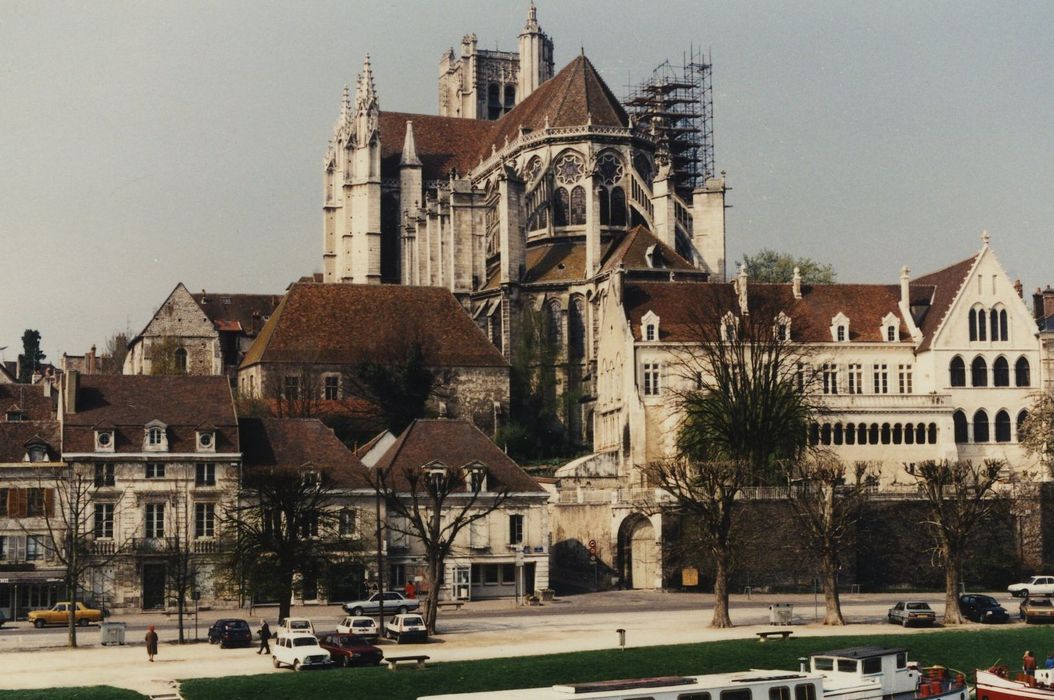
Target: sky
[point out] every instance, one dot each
(148, 143)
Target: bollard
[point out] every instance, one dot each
(621, 639)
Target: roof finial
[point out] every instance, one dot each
(985, 238)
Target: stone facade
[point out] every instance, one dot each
(182, 333)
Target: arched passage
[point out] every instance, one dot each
(638, 555)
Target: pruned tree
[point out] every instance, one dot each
(31, 356)
(432, 503)
(962, 497)
(827, 505)
(772, 266)
(284, 522)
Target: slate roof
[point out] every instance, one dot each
(575, 96)
(346, 323)
(241, 313)
(15, 436)
(8, 371)
(681, 305)
(455, 443)
(442, 143)
(128, 402)
(291, 443)
(30, 399)
(944, 286)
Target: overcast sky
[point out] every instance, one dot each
(147, 143)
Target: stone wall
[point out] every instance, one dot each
(474, 391)
(573, 525)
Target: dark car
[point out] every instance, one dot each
(230, 632)
(350, 650)
(982, 608)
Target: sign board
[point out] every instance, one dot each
(689, 576)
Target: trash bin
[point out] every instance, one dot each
(112, 633)
(781, 614)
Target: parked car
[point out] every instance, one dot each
(406, 627)
(982, 608)
(395, 602)
(230, 632)
(1037, 610)
(351, 650)
(361, 626)
(296, 624)
(912, 612)
(300, 650)
(59, 615)
(1037, 585)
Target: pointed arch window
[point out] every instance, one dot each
(181, 360)
(993, 317)
(1000, 372)
(1021, 418)
(1022, 372)
(982, 333)
(576, 327)
(980, 426)
(1004, 325)
(979, 372)
(1002, 427)
(578, 206)
(973, 324)
(957, 371)
(618, 206)
(554, 324)
(962, 434)
(561, 205)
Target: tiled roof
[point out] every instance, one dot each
(575, 96)
(29, 398)
(455, 443)
(631, 250)
(245, 313)
(443, 143)
(129, 402)
(292, 444)
(681, 306)
(945, 285)
(15, 436)
(347, 323)
(7, 372)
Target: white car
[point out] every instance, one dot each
(362, 626)
(299, 650)
(409, 627)
(296, 624)
(1037, 585)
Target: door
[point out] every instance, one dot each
(153, 586)
(528, 578)
(462, 583)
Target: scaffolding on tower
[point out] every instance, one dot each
(677, 102)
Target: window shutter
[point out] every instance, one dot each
(20, 506)
(49, 501)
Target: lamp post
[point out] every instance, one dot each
(380, 558)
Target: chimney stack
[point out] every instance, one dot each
(1037, 304)
(69, 397)
(1048, 302)
(905, 283)
(1019, 288)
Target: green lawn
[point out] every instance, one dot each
(960, 649)
(99, 692)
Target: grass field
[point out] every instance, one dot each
(101, 692)
(960, 649)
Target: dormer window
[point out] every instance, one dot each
(155, 437)
(782, 328)
(649, 324)
(206, 441)
(15, 415)
(729, 324)
(891, 328)
(840, 328)
(36, 452)
(476, 477)
(104, 440)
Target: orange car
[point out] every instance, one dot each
(59, 615)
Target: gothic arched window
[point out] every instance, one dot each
(1000, 372)
(1002, 427)
(1004, 326)
(979, 372)
(980, 426)
(973, 324)
(1021, 418)
(957, 370)
(561, 205)
(1022, 372)
(554, 324)
(578, 206)
(618, 206)
(982, 334)
(181, 360)
(962, 434)
(576, 328)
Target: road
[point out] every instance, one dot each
(481, 629)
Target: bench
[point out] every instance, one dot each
(782, 634)
(394, 661)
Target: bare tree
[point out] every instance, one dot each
(827, 508)
(962, 497)
(114, 353)
(296, 392)
(180, 556)
(1037, 432)
(432, 503)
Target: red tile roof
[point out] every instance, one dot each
(128, 402)
(631, 250)
(293, 444)
(347, 323)
(245, 313)
(15, 436)
(944, 286)
(455, 443)
(30, 399)
(442, 143)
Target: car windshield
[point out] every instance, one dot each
(238, 625)
(1041, 603)
(413, 620)
(918, 606)
(362, 623)
(305, 642)
(987, 600)
(299, 625)
(351, 640)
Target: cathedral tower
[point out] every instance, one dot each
(536, 55)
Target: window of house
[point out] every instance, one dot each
(204, 520)
(155, 470)
(961, 431)
(292, 388)
(204, 474)
(155, 437)
(578, 206)
(891, 333)
(490, 574)
(856, 378)
(104, 520)
(830, 378)
(1000, 372)
(1022, 372)
(181, 360)
(3, 502)
(332, 387)
(840, 334)
(1004, 326)
(37, 453)
(1002, 427)
(477, 479)
(105, 474)
(651, 379)
(982, 332)
(881, 378)
(979, 372)
(904, 378)
(346, 523)
(309, 525)
(516, 529)
(994, 319)
(649, 332)
(1021, 418)
(38, 502)
(957, 372)
(508, 573)
(155, 520)
(36, 549)
(980, 426)
(973, 324)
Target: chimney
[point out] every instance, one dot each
(796, 283)
(204, 298)
(69, 399)
(91, 361)
(1048, 302)
(1037, 304)
(905, 293)
(1019, 288)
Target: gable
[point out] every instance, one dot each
(179, 316)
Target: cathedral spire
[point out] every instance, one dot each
(409, 149)
(532, 19)
(367, 107)
(366, 92)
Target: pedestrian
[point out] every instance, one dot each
(411, 591)
(151, 643)
(1050, 660)
(1028, 664)
(265, 638)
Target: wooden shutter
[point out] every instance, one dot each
(18, 503)
(49, 501)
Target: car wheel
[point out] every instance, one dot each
(1023, 593)
(904, 622)
(356, 611)
(296, 664)
(223, 644)
(83, 622)
(402, 610)
(39, 624)
(345, 661)
(274, 661)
